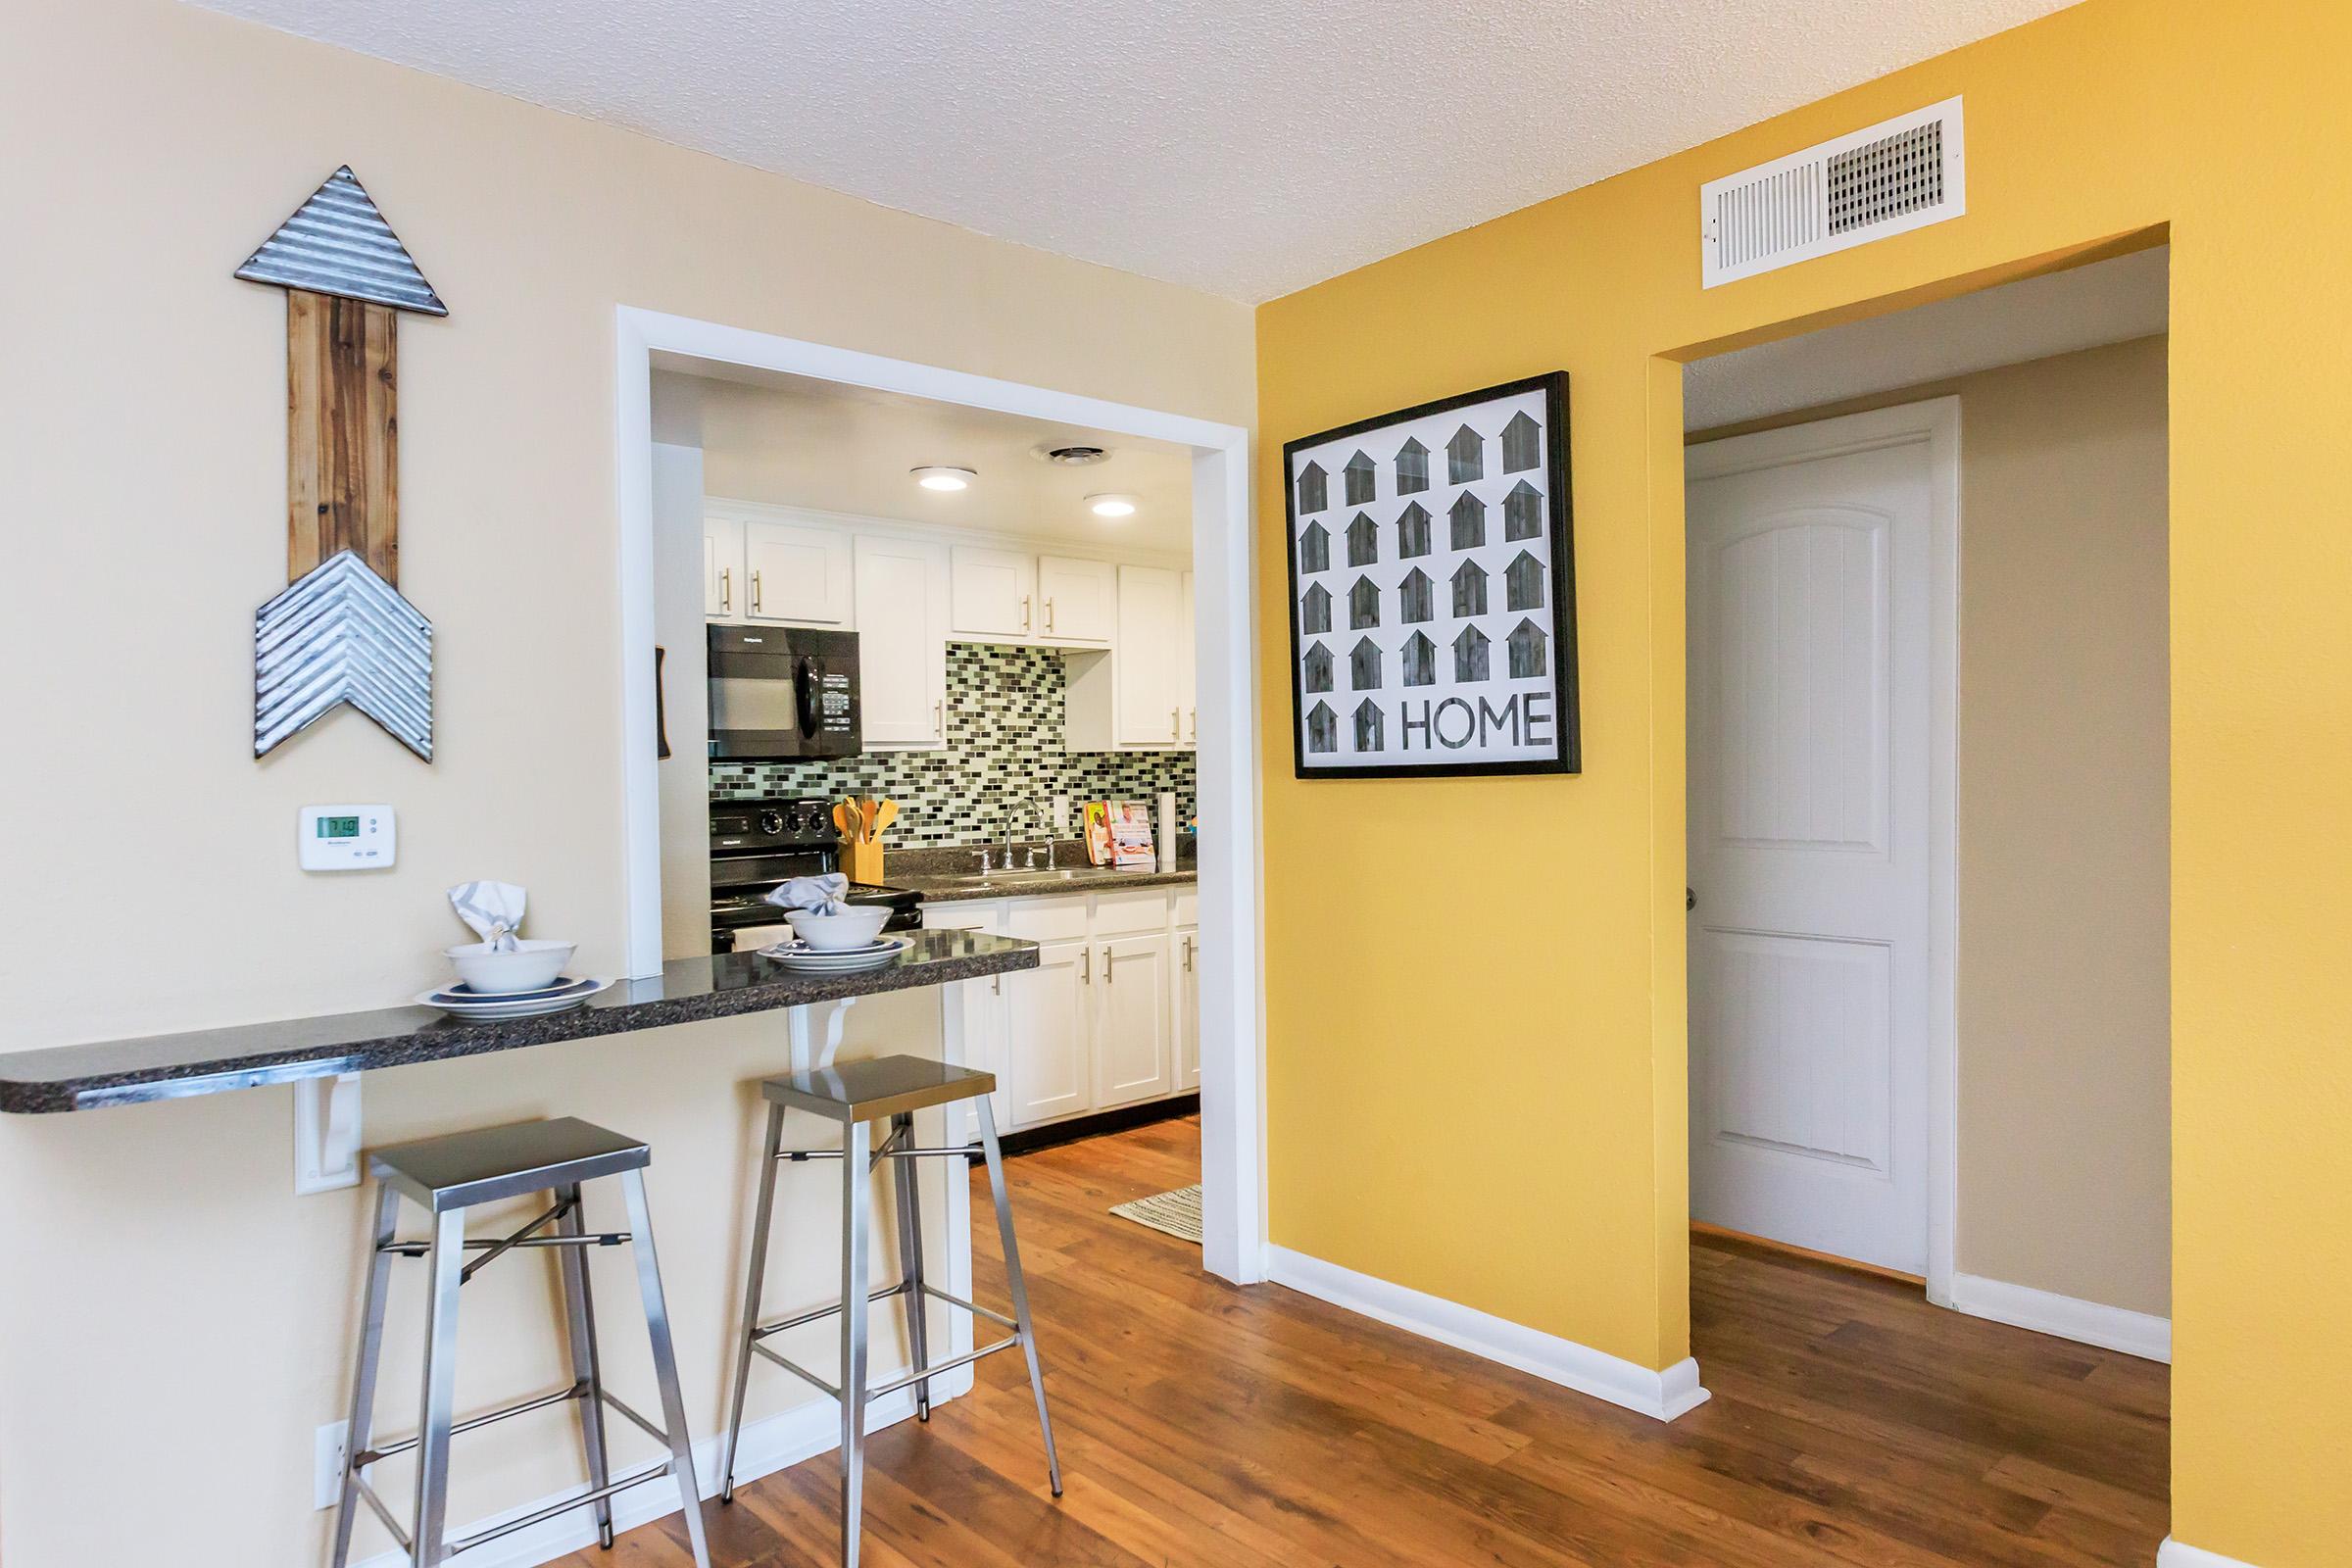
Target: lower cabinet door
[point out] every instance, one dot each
(1188, 1011)
(1047, 1014)
(1133, 1034)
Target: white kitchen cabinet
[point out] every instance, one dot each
(901, 615)
(1148, 688)
(796, 573)
(1109, 1017)
(1134, 1026)
(1077, 601)
(1048, 1021)
(980, 1022)
(722, 568)
(1186, 996)
(1188, 682)
(993, 593)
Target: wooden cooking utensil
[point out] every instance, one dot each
(841, 819)
(885, 814)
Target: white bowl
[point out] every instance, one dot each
(490, 973)
(853, 927)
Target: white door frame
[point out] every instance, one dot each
(1936, 422)
(1232, 1078)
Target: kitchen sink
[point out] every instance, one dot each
(988, 879)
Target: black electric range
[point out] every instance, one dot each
(757, 846)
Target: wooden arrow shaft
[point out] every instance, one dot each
(342, 436)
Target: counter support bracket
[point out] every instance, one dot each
(326, 1133)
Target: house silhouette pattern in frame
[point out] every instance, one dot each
(1459, 510)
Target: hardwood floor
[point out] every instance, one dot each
(1852, 1424)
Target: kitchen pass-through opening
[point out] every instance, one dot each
(974, 608)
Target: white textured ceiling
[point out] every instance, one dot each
(2081, 308)
(795, 441)
(1240, 147)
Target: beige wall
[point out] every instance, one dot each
(2064, 980)
(174, 1322)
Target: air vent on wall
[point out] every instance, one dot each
(1901, 175)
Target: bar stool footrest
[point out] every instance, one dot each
(925, 1374)
(653, 1472)
(543, 1401)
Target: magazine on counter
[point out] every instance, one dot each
(1118, 834)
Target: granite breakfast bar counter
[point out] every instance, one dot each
(116, 1072)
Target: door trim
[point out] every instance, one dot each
(1233, 1135)
(1936, 424)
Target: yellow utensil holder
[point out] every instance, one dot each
(861, 861)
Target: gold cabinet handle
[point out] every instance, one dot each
(938, 719)
(1024, 612)
(1188, 954)
(726, 590)
(754, 592)
(1195, 714)
(1086, 966)
(1175, 723)
(1108, 973)
(1049, 614)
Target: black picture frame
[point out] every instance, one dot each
(1567, 754)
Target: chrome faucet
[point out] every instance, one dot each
(1042, 839)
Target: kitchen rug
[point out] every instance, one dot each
(1176, 1213)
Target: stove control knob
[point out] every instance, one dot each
(771, 822)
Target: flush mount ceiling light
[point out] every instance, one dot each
(1110, 506)
(939, 477)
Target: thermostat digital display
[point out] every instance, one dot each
(346, 838)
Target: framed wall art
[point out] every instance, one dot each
(1432, 592)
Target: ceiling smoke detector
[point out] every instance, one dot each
(1075, 455)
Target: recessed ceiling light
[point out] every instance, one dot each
(938, 477)
(1108, 506)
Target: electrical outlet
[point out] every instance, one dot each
(327, 1447)
(1061, 816)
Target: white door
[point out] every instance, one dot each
(1075, 599)
(1188, 1011)
(1047, 1018)
(902, 603)
(993, 592)
(796, 573)
(1150, 696)
(1811, 661)
(1133, 1058)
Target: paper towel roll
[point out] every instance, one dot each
(1168, 830)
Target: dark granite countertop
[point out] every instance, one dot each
(946, 876)
(204, 1061)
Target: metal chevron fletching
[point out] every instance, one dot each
(342, 634)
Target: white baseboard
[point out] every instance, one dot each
(2087, 1322)
(774, 1443)
(1662, 1396)
(2173, 1555)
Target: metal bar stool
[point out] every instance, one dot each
(856, 1094)
(446, 1176)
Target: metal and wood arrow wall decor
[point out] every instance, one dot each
(342, 633)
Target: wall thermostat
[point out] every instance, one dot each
(346, 838)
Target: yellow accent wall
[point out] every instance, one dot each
(1502, 1122)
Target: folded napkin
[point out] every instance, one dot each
(493, 909)
(818, 895)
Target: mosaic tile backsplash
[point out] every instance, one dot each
(1005, 739)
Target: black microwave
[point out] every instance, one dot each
(782, 692)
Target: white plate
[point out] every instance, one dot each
(797, 949)
(572, 995)
(796, 956)
(461, 993)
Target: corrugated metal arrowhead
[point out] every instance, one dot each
(342, 634)
(338, 243)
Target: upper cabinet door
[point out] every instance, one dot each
(1187, 654)
(796, 573)
(993, 592)
(902, 642)
(1151, 694)
(723, 568)
(1076, 600)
